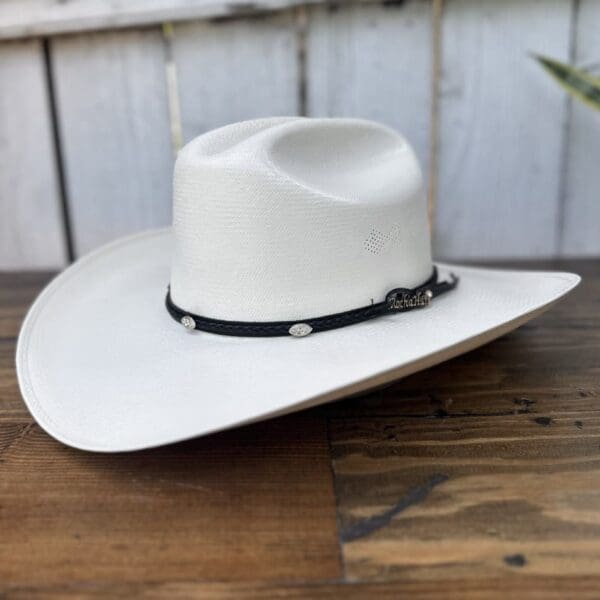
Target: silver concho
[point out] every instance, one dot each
(300, 329)
(188, 322)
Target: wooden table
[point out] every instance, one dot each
(479, 477)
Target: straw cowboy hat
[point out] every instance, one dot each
(297, 271)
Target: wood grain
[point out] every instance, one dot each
(189, 511)
(372, 62)
(501, 134)
(31, 231)
(580, 232)
(484, 466)
(17, 292)
(550, 588)
(25, 18)
(235, 70)
(114, 125)
(477, 478)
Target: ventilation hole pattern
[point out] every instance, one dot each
(377, 240)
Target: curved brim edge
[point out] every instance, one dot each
(33, 375)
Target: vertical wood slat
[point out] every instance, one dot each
(373, 62)
(437, 7)
(581, 209)
(234, 70)
(31, 234)
(501, 129)
(114, 125)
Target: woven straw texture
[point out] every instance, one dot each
(292, 218)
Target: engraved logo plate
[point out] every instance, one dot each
(400, 300)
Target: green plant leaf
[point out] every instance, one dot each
(580, 84)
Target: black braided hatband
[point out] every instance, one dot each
(398, 300)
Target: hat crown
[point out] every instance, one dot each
(294, 218)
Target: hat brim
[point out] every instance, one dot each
(103, 367)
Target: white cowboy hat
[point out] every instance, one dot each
(300, 271)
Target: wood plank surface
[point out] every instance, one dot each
(580, 233)
(31, 231)
(114, 125)
(25, 18)
(490, 464)
(553, 588)
(187, 512)
(478, 478)
(17, 292)
(235, 70)
(372, 62)
(501, 134)
(516, 173)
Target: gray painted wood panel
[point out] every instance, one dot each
(517, 167)
(23, 18)
(501, 129)
(31, 232)
(235, 70)
(114, 124)
(581, 209)
(373, 62)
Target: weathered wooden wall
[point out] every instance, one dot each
(92, 95)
